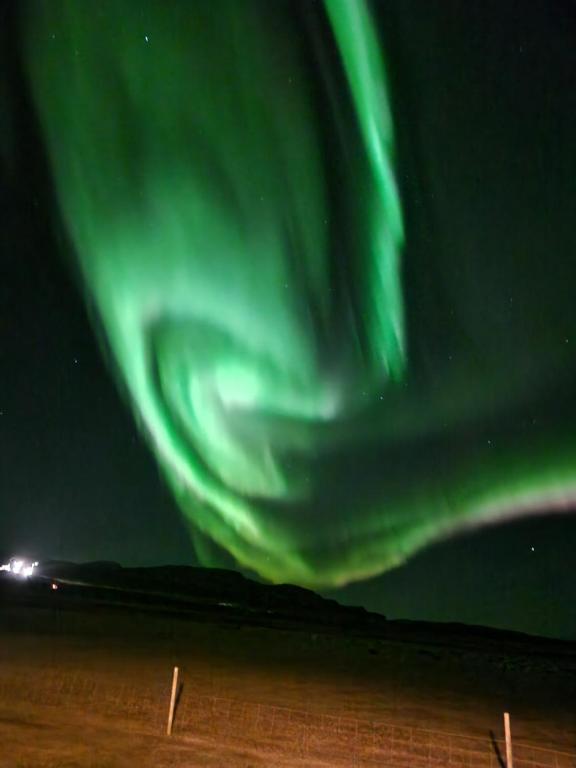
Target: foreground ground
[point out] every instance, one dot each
(87, 686)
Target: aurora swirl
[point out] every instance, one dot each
(228, 176)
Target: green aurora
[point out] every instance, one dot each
(227, 172)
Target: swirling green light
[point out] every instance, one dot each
(232, 203)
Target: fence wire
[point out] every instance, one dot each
(272, 728)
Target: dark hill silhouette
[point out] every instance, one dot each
(231, 594)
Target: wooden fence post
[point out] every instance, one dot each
(172, 701)
(508, 736)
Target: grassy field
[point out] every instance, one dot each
(87, 686)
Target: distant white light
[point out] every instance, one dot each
(532, 548)
(20, 567)
(146, 38)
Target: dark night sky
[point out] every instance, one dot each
(77, 481)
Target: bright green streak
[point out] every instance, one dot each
(360, 51)
(189, 157)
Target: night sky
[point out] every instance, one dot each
(463, 416)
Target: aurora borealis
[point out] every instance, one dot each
(325, 394)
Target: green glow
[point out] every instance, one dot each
(360, 51)
(257, 326)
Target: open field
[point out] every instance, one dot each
(88, 685)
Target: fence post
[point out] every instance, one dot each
(508, 736)
(172, 701)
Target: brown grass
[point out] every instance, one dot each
(92, 688)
